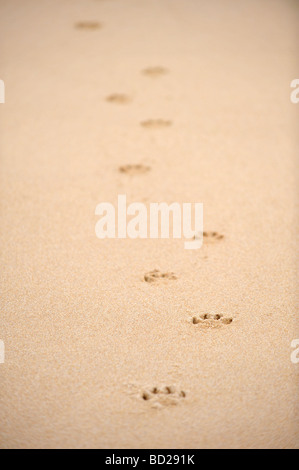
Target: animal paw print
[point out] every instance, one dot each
(212, 237)
(209, 237)
(165, 396)
(88, 25)
(211, 321)
(137, 169)
(118, 98)
(156, 275)
(156, 123)
(154, 71)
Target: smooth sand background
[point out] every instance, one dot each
(84, 334)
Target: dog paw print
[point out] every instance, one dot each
(157, 275)
(209, 237)
(212, 237)
(118, 98)
(208, 320)
(155, 123)
(137, 169)
(165, 396)
(88, 25)
(155, 71)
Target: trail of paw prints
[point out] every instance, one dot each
(154, 71)
(134, 169)
(161, 397)
(156, 275)
(118, 98)
(88, 25)
(156, 123)
(208, 320)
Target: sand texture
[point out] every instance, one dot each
(123, 343)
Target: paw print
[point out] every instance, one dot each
(155, 123)
(137, 169)
(165, 396)
(211, 237)
(118, 98)
(156, 275)
(91, 25)
(211, 321)
(154, 71)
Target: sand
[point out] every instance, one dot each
(197, 94)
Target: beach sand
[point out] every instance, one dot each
(196, 93)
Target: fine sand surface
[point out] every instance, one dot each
(160, 100)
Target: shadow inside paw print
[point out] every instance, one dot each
(137, 169)
(164, 396)
(156, 275)
(211, 321)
